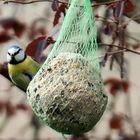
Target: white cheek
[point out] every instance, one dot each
(19, 56)
(8, 58)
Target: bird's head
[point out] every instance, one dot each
(15, 55)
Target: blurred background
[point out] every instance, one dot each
(33, 24)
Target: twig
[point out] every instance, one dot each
(29, 2)
(110, 45)
(115, 52)
(35, 1)
(135, 17)
(121, 44)
(107, 3)
(107, 54)
(104, 19)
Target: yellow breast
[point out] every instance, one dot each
(18, 68)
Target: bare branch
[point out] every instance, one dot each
(28, 2)
(112, 45)
(107, 3)
(35, 1)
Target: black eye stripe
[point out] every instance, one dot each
(17, 52)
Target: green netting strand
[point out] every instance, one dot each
(78, 33)
(67, 93)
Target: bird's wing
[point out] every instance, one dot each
(26, 76)
(36, 66)
(22, 81)
(33, 67)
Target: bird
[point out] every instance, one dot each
(21, 67)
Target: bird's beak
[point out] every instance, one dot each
(12, 55)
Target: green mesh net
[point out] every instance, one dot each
(67, 93)
(78, 33)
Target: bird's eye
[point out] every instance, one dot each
(8, 53)
(17, 52)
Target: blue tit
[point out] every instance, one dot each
(21, 67)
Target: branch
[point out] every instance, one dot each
(107, 3)
(35, 1)
(110, 45)
(116, 52)
(29, 2)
